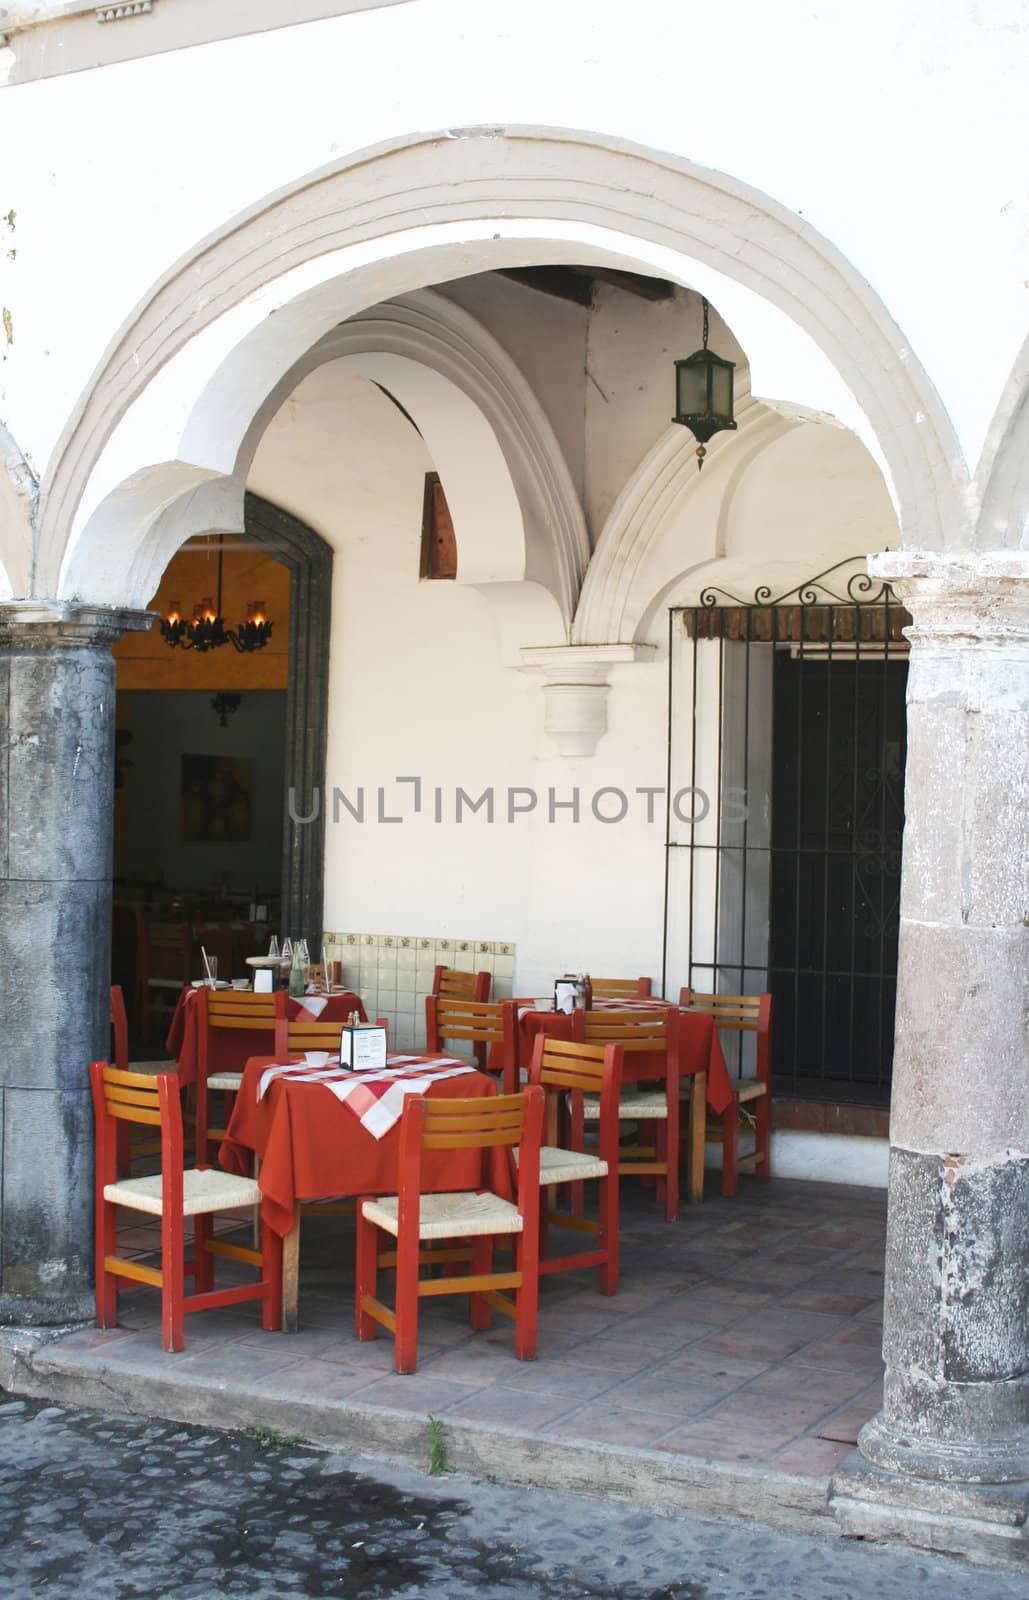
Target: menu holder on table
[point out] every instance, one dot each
(362, 1046)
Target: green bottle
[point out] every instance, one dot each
(297, 974)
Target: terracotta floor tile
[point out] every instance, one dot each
(729, 1371)
(610, 1355)
(513, 1408)
(796, 1380)
(667, 1394)
(845, 1426)
(561, 1377)
(602, 1423)
(770, 1412)
(725, 1441)
(810, 1458)
(414, 1392)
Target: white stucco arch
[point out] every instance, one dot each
(635, 554)
(1003, 472)
(421, 210)
(18, 494)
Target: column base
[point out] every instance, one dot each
(984, 1522)
(46, 1311)
(949, 1461)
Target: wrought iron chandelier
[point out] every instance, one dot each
(704, 394)
(207, 631)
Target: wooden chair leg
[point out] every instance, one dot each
(697, 1137)
(203, 1261)
(106, 1284)
(173, 1285)
(406, 1331)
(482, 1263)
(527, 1295)
(763, 1137)
(672, 1158)
(730, 1148)
(609, 1233)
(366, 1272)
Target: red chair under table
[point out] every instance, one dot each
(742, 1013)
(470, 1219)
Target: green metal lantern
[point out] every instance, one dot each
(704, 394)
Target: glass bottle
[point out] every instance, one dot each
(297, 975)
(273, 948)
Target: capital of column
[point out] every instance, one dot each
(964, 596)
(45, 624)
(575, 688)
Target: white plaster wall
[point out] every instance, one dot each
(927, 197)
(418, 689)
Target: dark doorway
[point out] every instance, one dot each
(839, 741)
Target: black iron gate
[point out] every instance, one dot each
(787, 743)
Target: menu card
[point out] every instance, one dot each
(362, 1048)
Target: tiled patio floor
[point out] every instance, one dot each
(747, 1334)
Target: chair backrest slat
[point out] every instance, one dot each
(621, 988)
(738, 1013)
(451, 984)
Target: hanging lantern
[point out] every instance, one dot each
(704, 394)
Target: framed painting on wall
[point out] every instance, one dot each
(216, 799)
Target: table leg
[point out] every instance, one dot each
(698, 1130)
(291, 1275)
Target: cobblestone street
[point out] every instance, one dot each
(107, 1508)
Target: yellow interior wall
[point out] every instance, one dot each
(144, 661)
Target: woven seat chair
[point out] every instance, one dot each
(742, 1013)
(418, 1221)
(653, 1033)
(173, 1194)
(489, 1027)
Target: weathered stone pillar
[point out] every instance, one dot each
(56, 800)
(956, 1336)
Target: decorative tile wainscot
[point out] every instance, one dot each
(393, 974)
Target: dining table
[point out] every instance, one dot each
(324, 1133)
(701, 1061)
(229, 1049)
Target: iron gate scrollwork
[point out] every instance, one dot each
(786, 714)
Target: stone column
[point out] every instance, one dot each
(56, 815)
(956, 1336)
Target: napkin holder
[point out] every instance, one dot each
(572, 994)
(362, 1047)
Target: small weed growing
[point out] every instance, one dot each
(266, 1437)
(438, 1463)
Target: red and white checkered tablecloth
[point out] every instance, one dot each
(375, 1098)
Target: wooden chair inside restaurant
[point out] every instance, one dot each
(128, 1147)
(215, 939)
(163, 959)
(621, 988)
(173, 1194)
(568, 1072)
(489, 1028)
(237, 1010)
(422, 1224)
(451, 984)
(751, 1105)
(654, 1104)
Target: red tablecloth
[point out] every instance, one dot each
(314, 1148)
(700, 1050)
(227, 1050)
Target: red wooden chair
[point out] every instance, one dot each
(621, 988)
(416, 1219)
(163, 956)
(233, 1010)
(171, 1194)
(490, 1027)
(567, 1071)
(742, 1013)
(450, 984)
(653, 1101)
